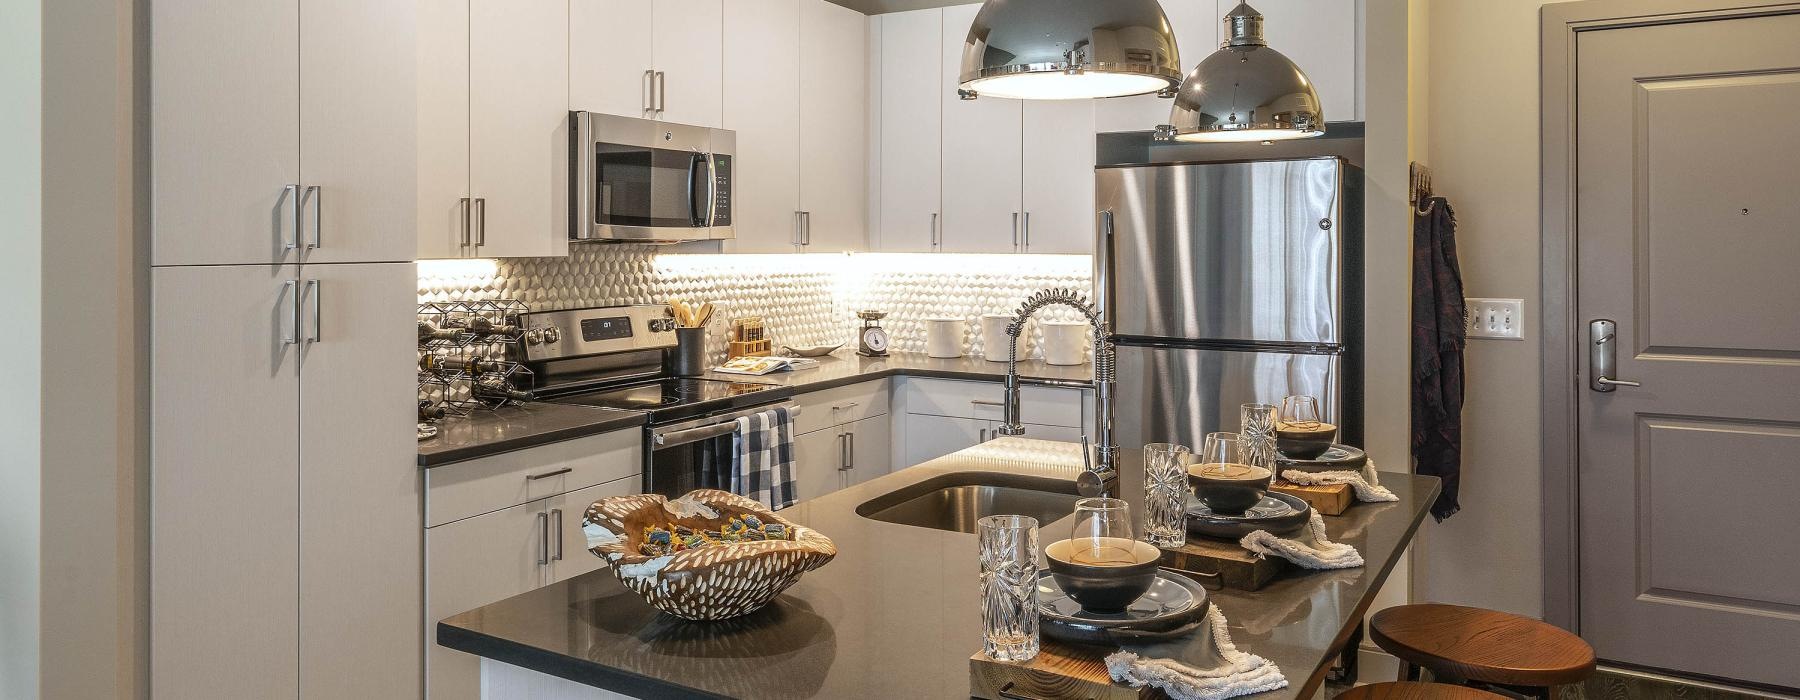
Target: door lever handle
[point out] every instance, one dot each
(1609, 381)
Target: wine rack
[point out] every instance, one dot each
(466, 357)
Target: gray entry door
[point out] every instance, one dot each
(1688, 220)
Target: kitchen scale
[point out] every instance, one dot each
(871, 339)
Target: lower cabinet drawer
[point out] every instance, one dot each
(464, 489)
(1043, 405)
(836, 406)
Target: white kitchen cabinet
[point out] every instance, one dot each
(503, 552)
(820, 459)
(762, 104)
(283, 490)
(871, 441)
(911, 116)
(281, 131)
(930, 437)
(360, 532)
(1197, 32)
(688, 53)
(1319, 36)
(982, 152)
(655, 59)
(610, 56)
(834, 127)
(225, 463)
(442, 199)
(1058, 175)
(519, 126)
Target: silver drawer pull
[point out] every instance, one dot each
(979, 402)
(546, 475)
(846, 407)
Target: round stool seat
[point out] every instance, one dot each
(1482, 645)
(1415, 691)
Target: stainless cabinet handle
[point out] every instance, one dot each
(846, 406)
(292, 289)
(662, 92)
(852, 449)
(806, 216)
(843, 452)
(546, 475)
(480, 221)
(1027, 232)
(317, 197)
(318, 332)
(556, 517)
(934, 230)
(796, 237)
(980, 402)
(982, 436)
(649, 91)
(1015, 232)
(291, 195)
(543, 539)
(466, 233)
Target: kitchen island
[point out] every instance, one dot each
(896, 614)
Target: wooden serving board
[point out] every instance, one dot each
(1328, 499)
(1236, 567)
(1059, 671)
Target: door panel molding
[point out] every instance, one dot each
(1564, 341)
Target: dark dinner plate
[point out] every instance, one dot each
(1338, 458)
(1174, 605)
(1279, 513)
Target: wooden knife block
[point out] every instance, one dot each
(1328, 499)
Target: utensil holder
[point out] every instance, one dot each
(688, 357)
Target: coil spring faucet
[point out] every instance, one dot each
(1102, 476)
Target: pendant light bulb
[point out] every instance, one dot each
(1245, 91)
(1069, 50)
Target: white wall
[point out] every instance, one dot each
(21, 72)
(1482, 124)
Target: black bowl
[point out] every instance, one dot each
(1174, 606)
(1337, 458)
(1278, 513)
(1229, 495)
(1307, 444)
(1103, 589)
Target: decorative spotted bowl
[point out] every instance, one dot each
(714, 582)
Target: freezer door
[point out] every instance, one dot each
(1181, 394)
(1227, 251)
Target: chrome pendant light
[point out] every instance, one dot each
(1245, 91)
(1069, 50)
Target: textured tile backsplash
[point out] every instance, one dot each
(804, 299)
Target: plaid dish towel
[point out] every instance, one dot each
(762, 458)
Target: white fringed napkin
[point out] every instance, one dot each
(1322, 553)
(1241, 674)
(1367, 485)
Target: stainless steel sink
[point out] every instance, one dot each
(955, 502)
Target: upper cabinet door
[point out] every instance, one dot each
(1320, 37)
(519, 126)
(1197, 31)
(225, 131)
(911, 120)
(1059, 177)
(609, 56)
(358, 104)
(443, 130)
(689, 61)
(361, 531)
(834, 126)
(224, 467)
(762, 104)
(981, 156)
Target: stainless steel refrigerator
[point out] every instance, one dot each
(1230, 283)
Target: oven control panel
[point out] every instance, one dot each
(570, 333)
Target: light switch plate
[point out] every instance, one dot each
(1502, 319)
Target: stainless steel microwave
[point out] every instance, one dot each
(645, 181)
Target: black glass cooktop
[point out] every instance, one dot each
(673, 398)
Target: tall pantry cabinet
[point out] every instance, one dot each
(285, 526)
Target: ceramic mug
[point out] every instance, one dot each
(1065, 342)
(944, 337)
(994, 340)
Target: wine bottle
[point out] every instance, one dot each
(499, 390)
(429, 331)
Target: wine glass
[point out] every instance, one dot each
(1300, 411)
(1103, 534)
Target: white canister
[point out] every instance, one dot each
(944, 336)
(994, 340)
(1065, 342)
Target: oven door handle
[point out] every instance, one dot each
(683, 437)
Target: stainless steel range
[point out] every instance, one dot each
(613, 357)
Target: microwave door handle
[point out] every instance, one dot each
(695, 210)
(712, 189)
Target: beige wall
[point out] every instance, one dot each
(1481, 120)
(21, 185)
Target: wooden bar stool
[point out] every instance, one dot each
(1415, 691)
(1461, 644)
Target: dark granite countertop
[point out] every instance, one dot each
(895, 615)
(485, 432)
